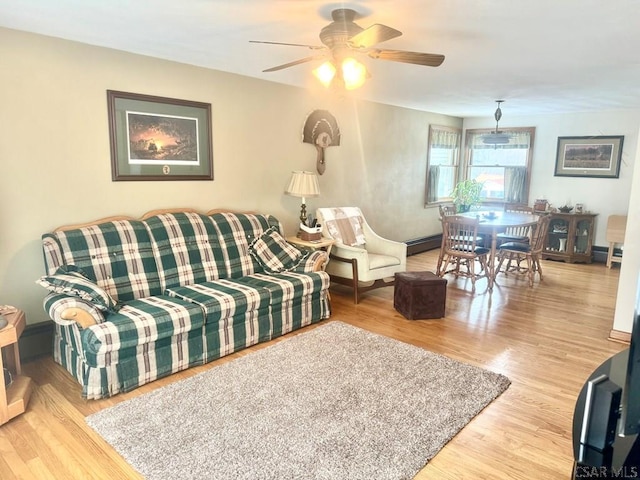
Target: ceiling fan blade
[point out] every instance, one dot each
(312, 47)
(426, 59)
(373, 35)
(294, 63)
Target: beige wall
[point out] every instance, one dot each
(54, 150)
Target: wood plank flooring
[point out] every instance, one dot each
(546, 339)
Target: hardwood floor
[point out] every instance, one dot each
(546, 339)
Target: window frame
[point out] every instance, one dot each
(466, 162)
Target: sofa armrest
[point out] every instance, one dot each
(315, 262)
(66, 310)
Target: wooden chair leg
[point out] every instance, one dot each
(531, 270)
(610, 254)
(471, 267)
(538, 267)
(501, 255)
(447, 261)
(440, 262)
(354, 274)
(509, 262)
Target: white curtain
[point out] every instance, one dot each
(432, 187)
(515, 184)
(440, 138)
(444, 139)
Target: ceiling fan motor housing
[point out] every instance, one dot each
(343, 38)
(338, 32)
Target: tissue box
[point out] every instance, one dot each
(309, 237)
(310, 233)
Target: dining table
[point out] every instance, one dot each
(492, 223)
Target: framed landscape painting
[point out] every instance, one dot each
(589, 156)
(157, 138)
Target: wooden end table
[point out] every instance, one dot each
(322, 244)
(14, 397)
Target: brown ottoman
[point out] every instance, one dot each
(419, 295)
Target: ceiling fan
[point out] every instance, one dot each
(343, 38)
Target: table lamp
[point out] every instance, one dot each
(303, 185)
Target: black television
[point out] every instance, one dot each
(630, 409)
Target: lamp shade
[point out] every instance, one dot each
(351, 73)
(303, 184)
(325, 73)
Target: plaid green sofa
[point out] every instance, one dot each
(137, 300)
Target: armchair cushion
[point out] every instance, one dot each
(71, 280)
(274, 254)
(380, 261)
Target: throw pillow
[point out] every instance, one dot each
(274, 254)
(71, 280)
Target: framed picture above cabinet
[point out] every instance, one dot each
(589, 156)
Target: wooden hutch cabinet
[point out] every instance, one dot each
(570, 237)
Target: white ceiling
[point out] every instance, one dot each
(541, 56)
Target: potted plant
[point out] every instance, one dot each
(466, 194)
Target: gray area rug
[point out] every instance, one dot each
(336, 402)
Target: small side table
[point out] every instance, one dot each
(322, 244)
(15, 397)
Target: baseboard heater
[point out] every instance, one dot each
(36, 341)
(423, 244)
(600, 254)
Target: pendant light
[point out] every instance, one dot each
(497, 137)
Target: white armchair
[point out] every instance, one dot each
(360, 258)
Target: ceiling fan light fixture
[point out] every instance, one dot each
(343, 37)
(354, 73)
(325, 73)
(496, 137)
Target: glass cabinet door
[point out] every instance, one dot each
(582, 234)
(558, 235)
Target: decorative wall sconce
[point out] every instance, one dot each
(321, 130)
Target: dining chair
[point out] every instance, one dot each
(518, 207)
(446, 210)
(517, 252)
(515, 234)
(461, 249)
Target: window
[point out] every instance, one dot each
(504, 169)
(442, 163)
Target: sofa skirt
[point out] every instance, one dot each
(148, 362)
